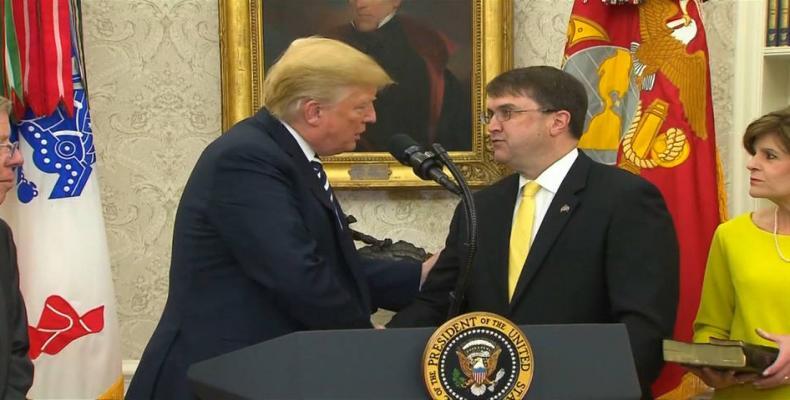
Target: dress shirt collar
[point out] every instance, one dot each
(308, 151)
(552, 177)
(383, 21)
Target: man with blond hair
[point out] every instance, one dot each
(16, 370)
(261, 247)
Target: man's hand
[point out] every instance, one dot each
(427, 266)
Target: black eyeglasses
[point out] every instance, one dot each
(504, 114)
(7, 151)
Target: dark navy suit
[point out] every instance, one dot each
(606, 251)
(258, 252)
(16, 369)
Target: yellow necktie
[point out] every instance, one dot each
(521, 235)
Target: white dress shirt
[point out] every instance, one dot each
(549, 181)
(308, 151)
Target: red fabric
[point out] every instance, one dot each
(28, 31)
(17, 10)
(60, 325)
(435, 49)
(54, 47)
(690, 188)
(9, 91)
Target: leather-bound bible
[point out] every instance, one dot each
(721, 354)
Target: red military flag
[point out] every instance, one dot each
(646, 70)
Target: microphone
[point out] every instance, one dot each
(425, 164)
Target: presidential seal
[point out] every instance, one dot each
(478, 356)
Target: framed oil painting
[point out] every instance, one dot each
(440, 53)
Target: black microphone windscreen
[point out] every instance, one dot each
(397, 146)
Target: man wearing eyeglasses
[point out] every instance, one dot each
(564, 239)
(16, 369)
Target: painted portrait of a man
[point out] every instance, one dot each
(423, 44)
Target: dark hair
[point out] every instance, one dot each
(777, 122)
(551, 88)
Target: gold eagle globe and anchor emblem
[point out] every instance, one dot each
(478, 355)
(616, 77)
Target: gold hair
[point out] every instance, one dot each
(317, 68)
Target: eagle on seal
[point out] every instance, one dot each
(478, 367)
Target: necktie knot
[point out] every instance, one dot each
(530, 189)
(318, 168)
(319, 172)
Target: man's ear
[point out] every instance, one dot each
(560, 122)
(311, 111)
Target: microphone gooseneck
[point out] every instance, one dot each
(428, 165)
(425, 164)
(457, 296)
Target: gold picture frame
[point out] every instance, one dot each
(242, 69)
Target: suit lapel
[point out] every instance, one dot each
(352, 257)
(346, 242)
(558, 214)
(499, 223)
(283, 138)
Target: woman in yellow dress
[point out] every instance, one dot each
(746, 292)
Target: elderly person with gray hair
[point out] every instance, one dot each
(16, 370)
(261, 246)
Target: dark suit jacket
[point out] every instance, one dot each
(258, 252)
(16, 369)
(611, 255)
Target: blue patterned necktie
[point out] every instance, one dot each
(324, 181)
